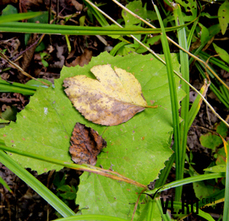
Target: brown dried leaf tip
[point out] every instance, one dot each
(86, 144)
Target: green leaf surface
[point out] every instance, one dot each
(9, 10)
(3, 182)
(136, 149)
(205, 189)
(223, 15)
(135, 7)
(216, 169)
(222, 129)
(210, 140)
(43, 18)
(220, 156)
(91, 217)
(190, 7)
(204, 34)
(222, 53)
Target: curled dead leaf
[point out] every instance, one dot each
(114, 98)
(86, 144)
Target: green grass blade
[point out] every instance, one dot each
(199, 212)
(41, 157)
(26, 89)
(185, 102)
(173, 98)
(189, 41)
(39, 28)
(226, 201)
(83, 167)
(204, 56)
(188, 180)
(36, 185)
(5, 184)
(196, 105)
(100, 18)
(19, 16)
(165, 217)
(15, 89)
(214, 88)
(91, 217)
(225, 92)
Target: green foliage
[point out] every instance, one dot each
(9, 114)
(133, 149)
(202, 189)
(43, 18)
(211, 140)
(65, 192)
(223, 15)
(124, 48)
(5, 184)
(190, 7)
(136, 7)
(138, 148)
(222, 53)
(44, 57)
(9, 10)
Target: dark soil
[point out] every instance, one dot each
(25, 204)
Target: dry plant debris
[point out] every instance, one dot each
(86, 144)
(114, 98)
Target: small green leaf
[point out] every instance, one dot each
(3, 182)
(223, 14)
(222, 129)
(222, 53)
(9, 10)
(65, 188)
(136, 7)
(190, 7)
(9, 113)
(220, 156)
(210, 141)
(203, 190)
(216, 169)
(68, 195)
(45, 63)
(204, 34)
(43, 18)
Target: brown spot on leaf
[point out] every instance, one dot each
(152, 101)
(86, 144)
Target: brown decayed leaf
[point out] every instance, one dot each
(111, 100)
(86, 144)
(81, 60)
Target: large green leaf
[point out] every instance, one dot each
(137, 149)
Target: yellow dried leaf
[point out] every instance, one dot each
(112, 99)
